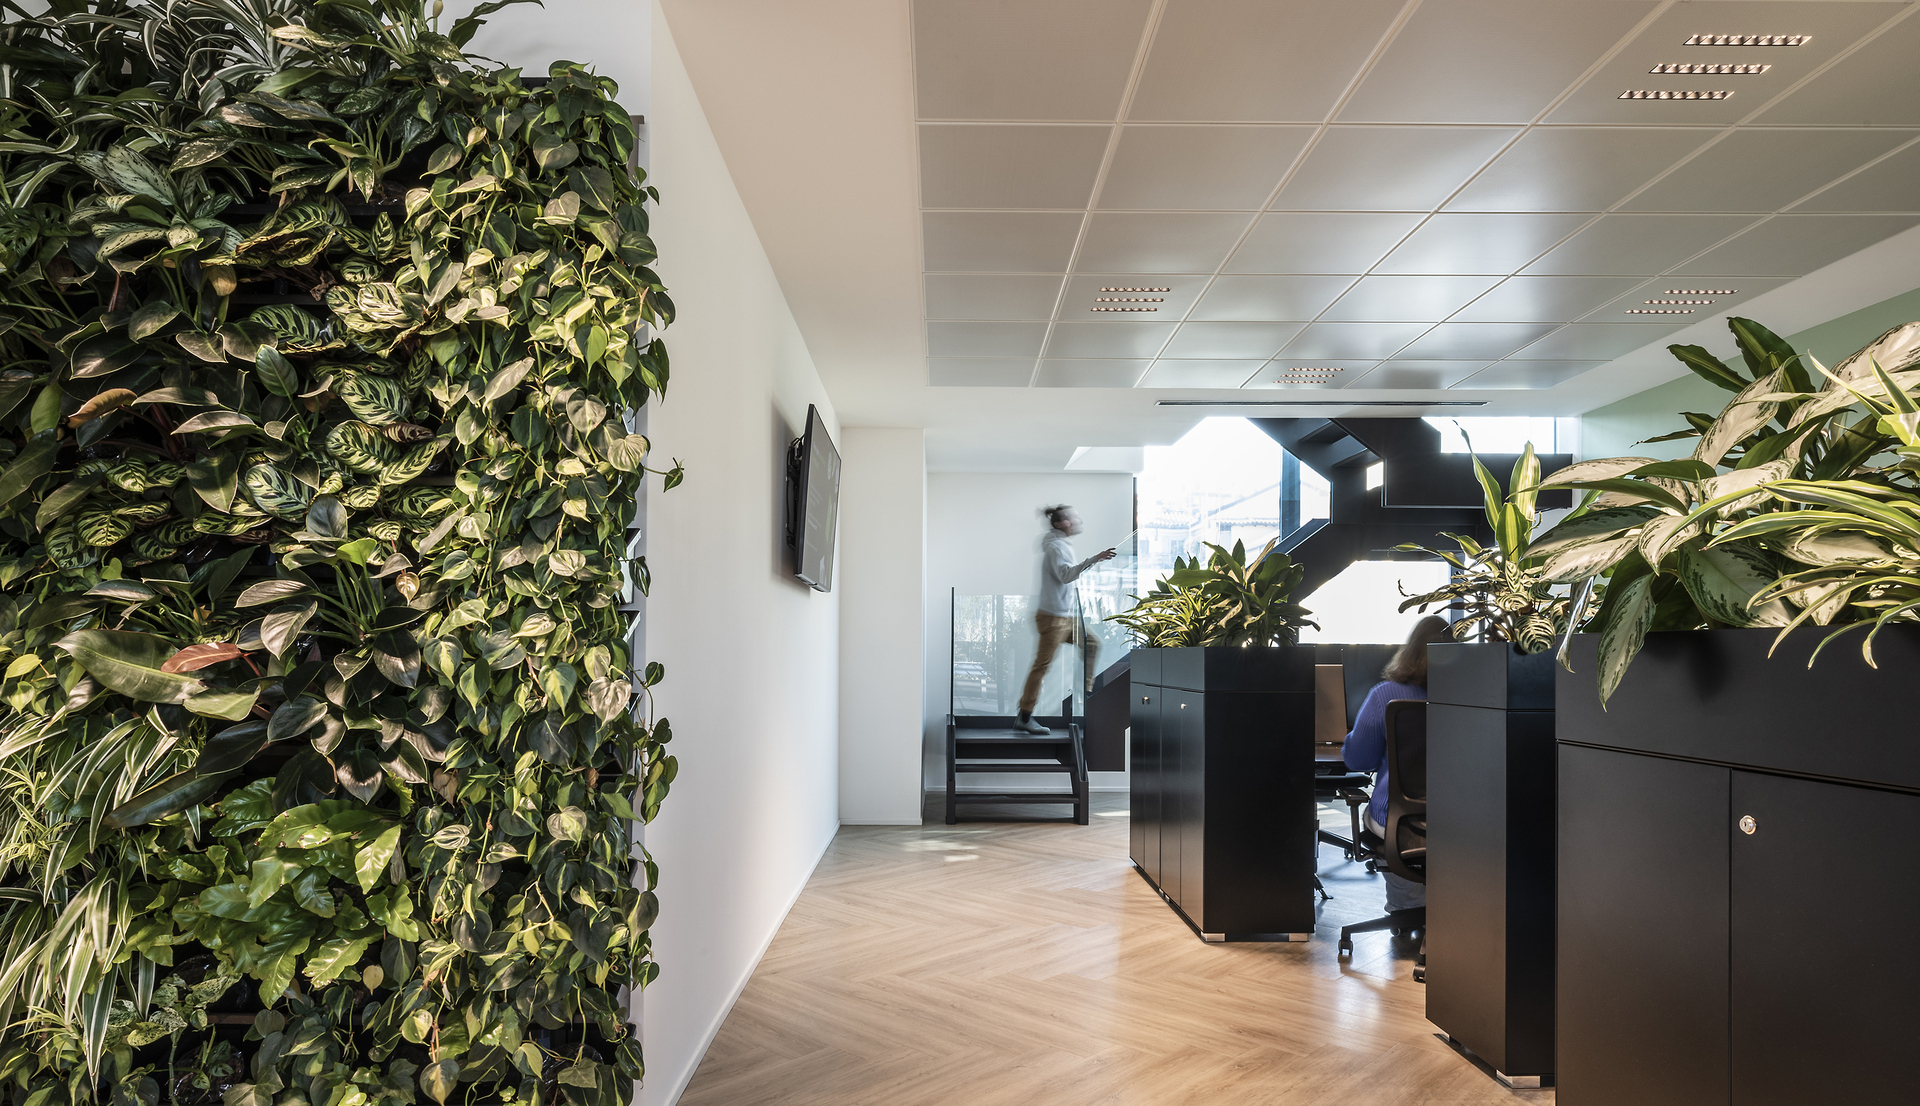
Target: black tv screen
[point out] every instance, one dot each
(818, 497)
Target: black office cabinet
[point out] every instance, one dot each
(1222, 787)
(1808, 1026)
(1733, 926)
(1490, 854)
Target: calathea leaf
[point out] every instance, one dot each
(104, 403)
(130, 663)
(378, 400)
(276, 492)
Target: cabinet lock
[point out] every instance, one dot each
(1748, 823)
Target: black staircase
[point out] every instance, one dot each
(989, 743)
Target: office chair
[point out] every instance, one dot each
(1404, 848)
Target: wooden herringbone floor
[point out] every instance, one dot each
(1011, 964)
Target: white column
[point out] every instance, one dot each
(881, 577)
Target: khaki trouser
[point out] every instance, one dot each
(1057, 630)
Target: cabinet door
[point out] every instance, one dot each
(1643, 898)
(1191, 785)
(1824, 976)
(1143, 781)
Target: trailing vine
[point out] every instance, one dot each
(320, 736)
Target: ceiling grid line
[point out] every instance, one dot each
(1100, 177)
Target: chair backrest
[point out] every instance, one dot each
(1330, 723)
(1406, 726)
(1362, 664)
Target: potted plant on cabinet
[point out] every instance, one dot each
(1710, 774)
(319, 746)
(1221, 784)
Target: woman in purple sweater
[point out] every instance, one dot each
(1405, 677)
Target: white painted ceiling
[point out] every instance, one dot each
(1443, 200)
(1446, 196)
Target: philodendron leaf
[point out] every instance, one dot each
(150, 319)
(215, 478)
(275, 372)
(569, 824)
(232, 747)
(439, 1078)
(279, 629)
(270, 591)
(295, 717)
(170, 796)
(130, 664)
(372, 860)
(230, 705)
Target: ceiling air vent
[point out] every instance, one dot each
(1675, 94)
(1749, 40)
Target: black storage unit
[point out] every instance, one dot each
(1721, 816)
(1490, 855)
(1223, 821)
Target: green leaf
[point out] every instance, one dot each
(232, 747)
(1722, 580)
(439, 1078)
(1677, 470)
(170, 796)
(267, 874)
(103, 354)
(1624, 632)
(295, 717)
(230, 705)
(569, 824)
(68, 496)
(336, 958)
(215, 478)
(276, 373)
(130, 664)
(33, 462)
(371, 862)
(310, 891)
(1708, 367)
(149, 320)
(595, 186)
(279, 629)
(270, 591)
(226, 900)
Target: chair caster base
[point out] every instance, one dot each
(1419, 975)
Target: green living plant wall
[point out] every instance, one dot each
(319, 730)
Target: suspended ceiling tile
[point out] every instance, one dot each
(991, 297)
(1419, 374)
(1207, 339)
(1310, 373)
(1527, 375)
(1000, 242)
(1209, 168)
(979, 372)
(1488, 61)
(985, 339)
(1577, 168)
(1874, 86)
(1477, 242)
(1269, 297)
(1174, 293)
(1470, 341)
(1389, 168)
(1356, 341)
(1321, 241)
(1834, 26)
(1026, 166)
(1024, 59)
(1892, 185)
(1750, 170)
(1108, 339)
(1090, 373)
(1200, 373)
(1790, 245)
(1721, 292)
(1407, 299)
(1158, 242)
(1257, 60)
(1603, 341)
(1636, 245)
(1529, 299)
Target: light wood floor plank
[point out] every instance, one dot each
(1021, 964)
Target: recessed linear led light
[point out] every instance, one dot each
(1711, 70)
(1123, 309)
(1136, 289)
(1677, 301)
(1674, 94)
(1129, 299)
(1749, 40)
(1320, 403)
(1659, 310)
(1700, 292)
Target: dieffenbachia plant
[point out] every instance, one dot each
(319, 342)
(1499, 589)
(1719, 538)
(1228, 601)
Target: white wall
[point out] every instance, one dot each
(751, 654)
(983, 538)
(883, 584)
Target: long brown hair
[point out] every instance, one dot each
(1409, 663)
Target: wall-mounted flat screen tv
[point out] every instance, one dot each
(816, 502)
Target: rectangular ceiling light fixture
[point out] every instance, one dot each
(1659, 310)
(1136, 289)
(1700, 292)
(1749, 40)
(1711, 70)
(1675, 94)
(1129, 299)
(1320, 403)
(1676, 301)
(1123, 309)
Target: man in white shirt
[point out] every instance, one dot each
(1055, 616)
